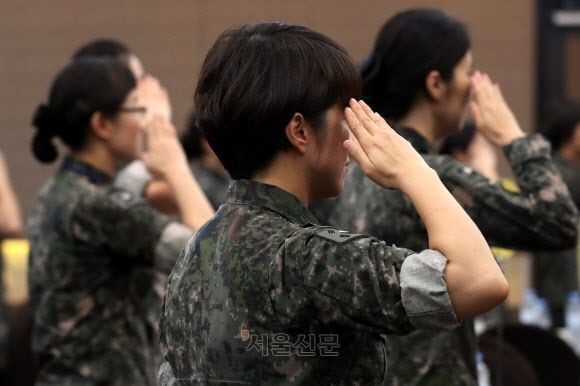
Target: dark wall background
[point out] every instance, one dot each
(38, 37)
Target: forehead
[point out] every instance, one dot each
(466, 62)
(132, 97)
(136, 67)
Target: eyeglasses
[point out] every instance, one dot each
(137, 110)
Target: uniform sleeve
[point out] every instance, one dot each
(128, 228)
(536, 213)
(424, 291)
(166, 377)
(133, 178)
(361, 282)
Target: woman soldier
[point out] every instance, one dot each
(419, 77)
(263, 295)
(88, 237)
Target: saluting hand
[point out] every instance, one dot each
(162, 152)
(491, 113)
(154, 97)
(383, 155)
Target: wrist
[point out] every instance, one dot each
(418, 180)
(175, 172)
(510, 135)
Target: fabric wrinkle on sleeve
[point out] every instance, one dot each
(521, 150)
(424, 291)
(538, 215)
(173, 239)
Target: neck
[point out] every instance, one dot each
(420, 119)
(570, 154)
(97, 157)
(284, 172)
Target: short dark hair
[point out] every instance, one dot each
(82, 88)
(103, 48)
(191, 139)
(255, 78)
(409, 46)
(560, 121)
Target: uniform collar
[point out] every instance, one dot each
(248, 192)
(95, 176)
(419, 142)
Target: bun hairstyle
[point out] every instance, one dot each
(82, 88)
(409, 46)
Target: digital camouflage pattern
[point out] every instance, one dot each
(134, 177)
(540, 215)
(556, 272)
(260, 277)
(87, 240)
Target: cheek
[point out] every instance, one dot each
(461, 100)
(466, 90)
(132, 131)
(342, 134)
(129, 138)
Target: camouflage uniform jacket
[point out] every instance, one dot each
(262, 296)
(87, 239)
(556, 272)
(134, 177)
(540, 215)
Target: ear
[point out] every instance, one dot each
(298, 133)
(435, 85)
(101, 126)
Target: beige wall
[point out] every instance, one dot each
(37, 38)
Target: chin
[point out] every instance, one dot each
(327, 193)
(337, 189)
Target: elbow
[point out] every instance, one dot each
(500, 290)
(483, 295)
(570, 229)
(573, 232)
(496, 291)
(568, 237)
(494, 287)
(561, 236)
(11, 229)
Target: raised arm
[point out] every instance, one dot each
(474, 280)
(538, 213)
(165, 158)
(10, 220)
